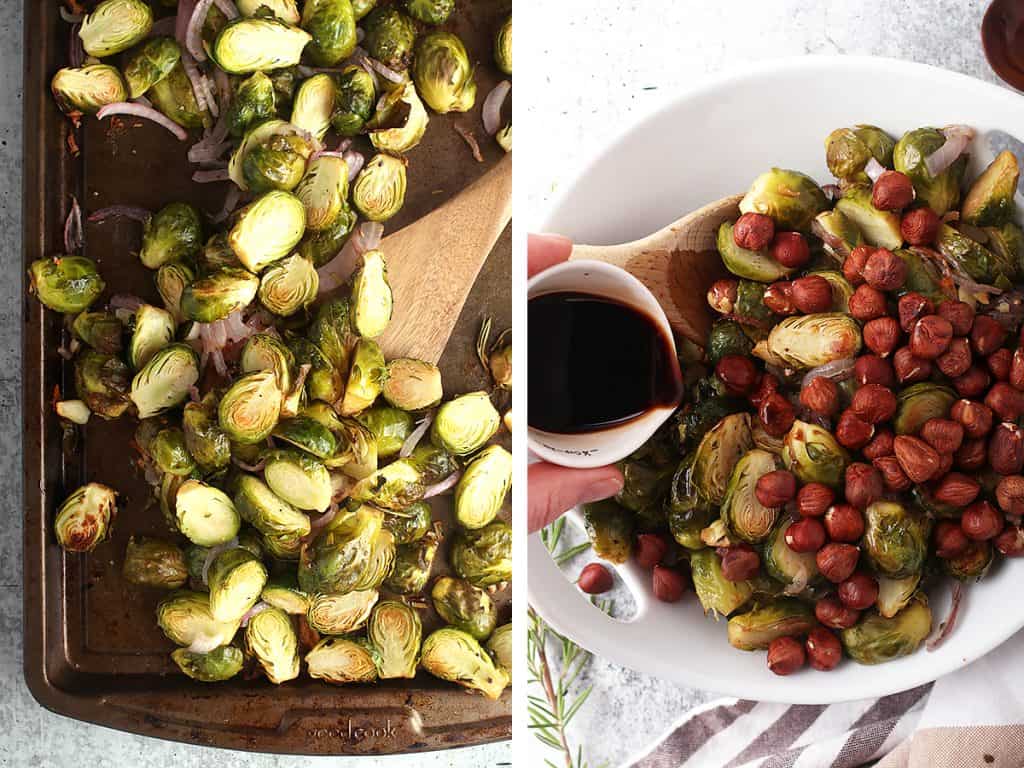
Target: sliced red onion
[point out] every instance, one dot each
(837, 370)
(832, 242)
(74, 237)
(209, 177)
(213, 552)
(257, 467)
(946, 627)
(355, 161)
(874, 169)
(69, 17)
(235, 328)
(227, 8)
(137, 110)
(76, 52)
(445, 485)
(220, 78)
(832, 192)
(211, 96)
(343, 145)
(230, 203)
(957, 139)
(491, 110)
(125, 301)
(164, 27)
(194, 30)
(193, 393)
(208, 153)
(194, 78)
(185, 8)
(416, 435)
(317, 525)
(327, 153)
(260, 607)
(334, 273)
(470, 139)
(384, 71)
(143, 101)
(950, 267)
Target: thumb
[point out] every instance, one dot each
(554, 490)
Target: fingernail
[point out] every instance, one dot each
(543, 238)
(601, 489)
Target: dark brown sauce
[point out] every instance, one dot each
(593, 363)
(1002, 37)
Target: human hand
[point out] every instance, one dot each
(554, 490)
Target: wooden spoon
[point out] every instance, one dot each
(433, 262)
(677, 264)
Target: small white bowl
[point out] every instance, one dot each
(704, 145)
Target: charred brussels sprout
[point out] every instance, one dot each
(85, 517)
(413, 562)
(744, 515)
(154, 330)
(399, 121)
(390, 35)
(895, 539)
(324, 192)
(974, 258)
(171, 281)
(457, 657)
(115, 26)
(379, 190)
(750, 265)
(941, 193)
(727, 338)
(170, 453)
(688, 512)
(218, 294)
(784, 617)
(412, 385)
(410, 524)
(149, 64)
(1007, 243)
(236, 580)
(285, 10)
(718, 596)
(205, 515)
(394, 487)
(102, 382)
(464, 607)
(279, 163)
(395, 631)
(174, 233)
(972, 564)
(390, 427)
(334, 614)
(270, 637)
(483, 557)
(430, 11)
(503, 46)
(337, 660)
(87, 89)
(875, 639)
(263, 352)
(848, 150)
(796, 570)
(717, 455)
(371, 299)
(258, 45)
(920, 402)
(792, 199)
(288, 286)
(154, 563)
(66, 283)
(221, 663)
(204, 438)
(100, 330)
(442, 72)
(249, 410)
(185, 618)
(989, 202)
(482, 489)
(807, 341)
(813, 455)
(464, 424)
(332, 334)
(354, 100)
(332, 25)
(313, 105)
(365, 378)
(335, 560)
(254, 101)
(299, 479)
(175, 97)
(165, 380)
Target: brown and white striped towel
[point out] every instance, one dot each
(973, 718)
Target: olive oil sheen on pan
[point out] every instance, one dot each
(594, 363)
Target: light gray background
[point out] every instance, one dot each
(599, 65)
(29, 735)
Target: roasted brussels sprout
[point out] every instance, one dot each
(465, 423)
(102, 382)
(254, 102)
(848, 150)
(792, 199)
(365, 378)
(66, 283)
(115, 26)
(382, 560)
(204, 438)
(989, 202)
(483, 557)
(150, 63)
(268, 513)
(464, 606)
(688, 512)
(972, 564)
(270, 637)
(164, 382)
(500, 647)
(504, 137)
(895, 539)
(264, 352)
(412, 385)
(285, 10)
(75, 411)
(503, 46)
(457, 657)
(333, 335)
(337, 660)
(341, 614)
(481, 491)
(87, 89)
(217, 295)
(413, 562)
(314, 104)
(940, 193)
(100, 330)
(399, 120)
(398, 484)
(972, 257)
(309, 434)
(920, 402)
(362, 7)
(430, 11)
(895, 594)
(171, 281)
(85, 517)
(323, 192)
(249, 410)
(879, 228)
(335, 560)
(154, 563)
(395, 631)
(1007, 244)
(442, 72)
(875, 639)
(170, 453)
(354, 100)
(321, 247)
(379, 190)
(154, 330)
(283, 593)
(813, 455)
(796, 570)
(744, 515)
(332, 24)
(717, 595)
(236, 580)
(807, 341)
(717, 455)
(205, 515)
(751, 265)
(272, 156)
(173, 233)
(727, 338)
(222, 663)
(783, 617)
(390, 35)
(838, 233)
(410, 524)
(390, 427)
(299, 479)
(289, 286)
(258, 45)
(175, 97)
(371, 299)
(185, 618)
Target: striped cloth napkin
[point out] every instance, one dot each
(973, 718)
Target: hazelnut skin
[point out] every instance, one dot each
(981, 521)
(1006, 402)
(859, 592)
(885, 270)
(972, 455)
(739, 562)
(920, 226)
(753, 231)
(852, 431)
(806, 535)
(973, 383)
(892, 191)
(976, 418)
(824, 651)
(812, 294)
(909, 368)
(790, 249)
(872, 369)
(882, 335)
(960, 315)
(844, 522)
(786, 655)
(950, 540)
(911, 307)
(999, 363)
(1010, 495)
(595, 579)
(776, 488)
(821, 395)
(738, 373)
(874, 403)
(1006, 449)
(918, 460)
(668, 584)
(863, 485)
(778, 297)
(722, 295)
(867, 303)
(893, 476)
(814, 499)
(853, 265)
(776, 414)
(832, 613)
(930, 336)
(956, 360)
(880, 445)
(987, 335)
(837, 562)
(944, 435)
(650, 550)
(956, 490)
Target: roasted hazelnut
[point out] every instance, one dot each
(893, 476)
(973, 383)
(930, 336)
(812, 294)
(874, 403)
(987, 335)
(918, 460)
(885, 270)
(722, 295)
(972, 454)
(824, 651)
(1006, 449)
(945, 465)
(785, 655)
(668, 584)
(774, 489)
(976, 418)
(776, 414)
(944, 435)
(981, 521)
(852, 431)
(1011, 541)
(872, 369)
(766, 385)
(595, 579)
(999, 363)
(753, 231)
(956, 490)
(790, 249)
(738, 373)
(813, 499)
(956, 360)
(910, 368)
(853, 265)
(1006, 402)
(911, 308)
(867, 303)
(880, 445)
(920, 226)
(650, 550)
(739, 562)
(1010, 495)
(821, 395)
(950, 540)
(892, 191)
(832, 613)
(960, 315)
(837, 562)
(863, 484)
(859, 591)
(844, 522)
(778, 297)
(805, 535)
(1017, 369)
(882, 335)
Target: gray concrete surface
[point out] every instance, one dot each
(598, 65)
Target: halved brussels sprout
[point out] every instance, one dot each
(285, 10)
(175, 97)
(796, 570)
(332, 333)
(839, 235)
(726, 337)
(340, 614)
(920, 402)
(299, 479)
(895, 539)
(66, 283)
(481, 491)
(154, 330)
(717, 595)
(974, 258)
(253, 103)
(972, 564)
(399, 120)
(115, 26)
(792, 199)
(268, 513)
(267, 229)
(170, 453)
(504, 137)
(171, 281)
(1007, 243)
(813, 455)
(688, 512)
(309, 434)
(337, 660)
(354, 101)
(807, 341)
(87, 89)
(744, 515)
(455, 656)
(848, 150)
(270, 637)
(365, 379)
(879, 228)
(430, 11)
(465, 423)
(395, 486)
(989, 202)
(464, 606)
(396, 631)
(249, 410)
(324, 191)
(174, 233)
(500, 647)
(185, 617)
(263, 352)
(841, 289)
(413, 562)
(272, 155)
(372, 301)
(503, 46)
(314, 104)
(443, 74)
(204, 438)
(283, 593)
(941, 193)
(75, 411)
(751, 265)
(154, 563)
(205, 515)
(321, 247)
(412, 385)
(382, 560)
(215, 296)
(332, 24)
(236, 579)
(379, 190)
(150, 63)
(875, 639)
(390, 35)
(410, 524)
(717, 455)
(164, 382)
(895, 594)
(357, 450)
(333, 563)
(222, 663)
(783, 617)
(390, 426)
(100, 330)
(258, 45)
(483, 557)
(85, 517)
(102, 382)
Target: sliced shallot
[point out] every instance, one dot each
(415, 436)
(491, 110)
(445, 485)
(334, 273)
(957, 139)
(148, 113)
(74, 237)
